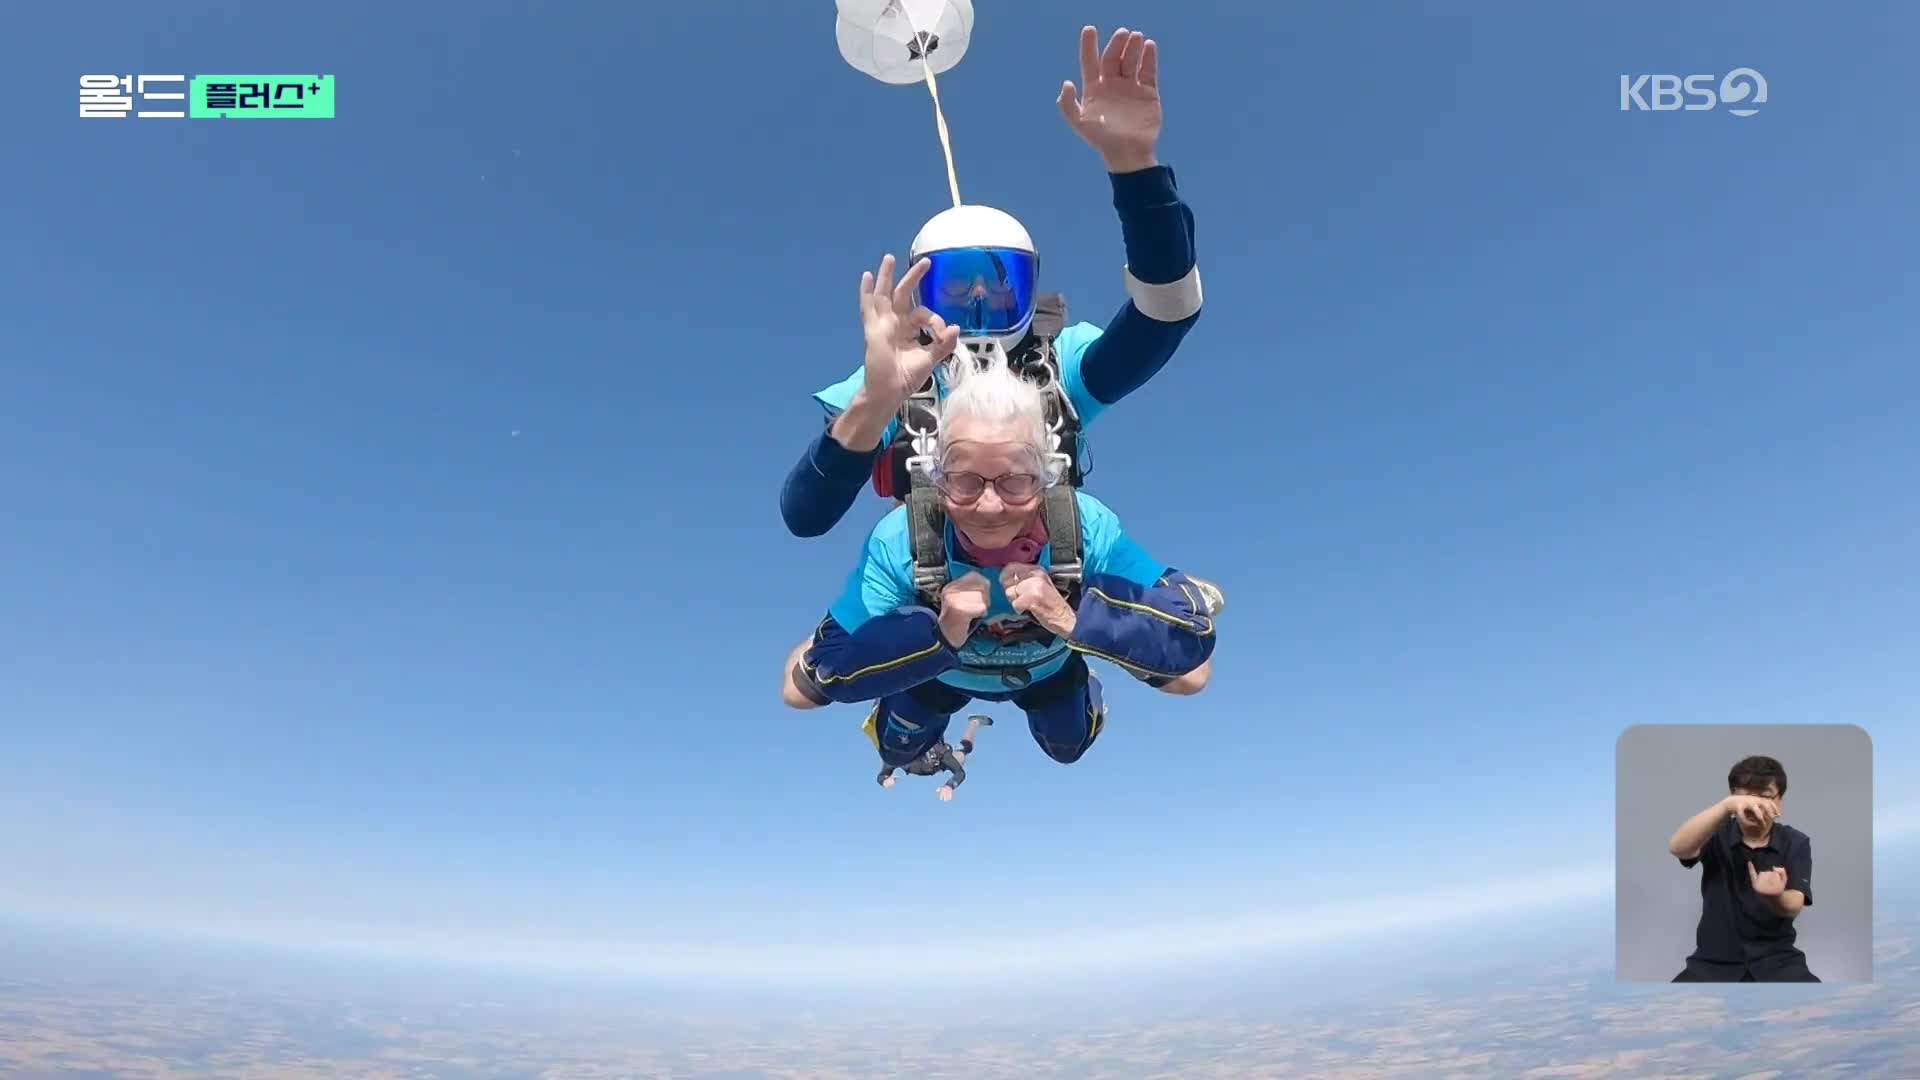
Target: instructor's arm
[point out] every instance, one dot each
(821, 486)
(1118, 114)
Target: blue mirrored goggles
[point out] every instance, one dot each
(984, 291)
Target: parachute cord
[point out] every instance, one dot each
(939, 117)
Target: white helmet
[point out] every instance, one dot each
(983, 274)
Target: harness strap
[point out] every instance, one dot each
(927, 522)
(1063, 541)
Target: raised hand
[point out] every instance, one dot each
(891, 319)
(1117, 111)
(1753, 810)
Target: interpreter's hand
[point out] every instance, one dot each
(1752, 809)
(945, 791)
(1118, 110)
(891, 319)
(1768, 882)
(1031, 593)
(961, 602)
(888, 782)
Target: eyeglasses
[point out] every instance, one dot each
(966, 487)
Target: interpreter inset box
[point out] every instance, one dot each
(1743, 853)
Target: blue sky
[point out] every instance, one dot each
(1513, 419)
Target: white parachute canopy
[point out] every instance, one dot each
(895, 41)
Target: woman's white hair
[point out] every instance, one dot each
(984, 391)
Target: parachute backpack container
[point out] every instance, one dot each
(907, 41)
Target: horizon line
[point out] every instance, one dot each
(1159, 946)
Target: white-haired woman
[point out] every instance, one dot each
(1002, 631)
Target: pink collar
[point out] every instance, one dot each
(1024, 548)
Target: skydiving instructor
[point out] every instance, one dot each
(1117, 112)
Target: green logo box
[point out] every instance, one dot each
(261, 97)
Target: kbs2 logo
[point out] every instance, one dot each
(1742, 89)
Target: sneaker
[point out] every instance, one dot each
(1210, 595)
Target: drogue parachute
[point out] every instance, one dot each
(906, 41)
(897, 41)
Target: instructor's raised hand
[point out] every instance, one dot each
(891, 319)
(1117, 110)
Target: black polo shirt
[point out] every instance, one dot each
(1740, 936)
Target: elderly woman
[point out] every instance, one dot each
(1000, 610)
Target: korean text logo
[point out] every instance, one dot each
(208, 97)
